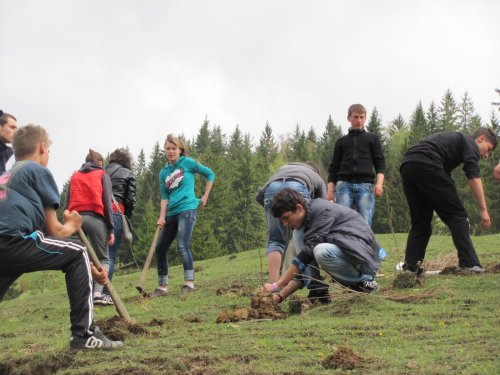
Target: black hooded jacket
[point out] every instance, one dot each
(124, 187)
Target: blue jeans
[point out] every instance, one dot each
(113, 250)
(341, 267)
(276, 240)
(310, 277)
(177, 227)
(359, 197)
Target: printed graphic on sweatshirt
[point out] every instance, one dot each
(4, 180)
(174, 179)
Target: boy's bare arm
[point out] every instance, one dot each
(72, 222)
(496, 172)
(477, 188)
(330, 194)
(378, 189)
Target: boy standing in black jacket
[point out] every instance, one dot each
(356, 174)
(428, 186)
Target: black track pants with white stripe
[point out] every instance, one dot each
(22, 255)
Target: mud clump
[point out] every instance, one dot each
(343, 358)
(262, 307)
(299, 305)
(116, 328)
(405, 280)
(495, 268)
(452, 270)
(193, 319)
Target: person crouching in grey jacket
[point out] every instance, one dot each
(337, 237)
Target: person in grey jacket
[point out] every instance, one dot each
(301, 177)
(337, 237)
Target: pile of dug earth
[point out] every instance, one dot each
(262, 307)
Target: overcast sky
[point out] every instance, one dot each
(108, 74)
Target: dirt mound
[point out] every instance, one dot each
(343, 358)
(405, 280)
(37, 365)
(116, 328)
(494, 268)
(452, 270)
(262, 307)
(299, 305)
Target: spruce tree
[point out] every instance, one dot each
(448, 113)
(418, 126)
(327, 143)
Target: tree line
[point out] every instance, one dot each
(233, 221)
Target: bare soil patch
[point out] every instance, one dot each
(116, 328)
(343, 358)
(493, 268)
(262, 307)
(429, 293)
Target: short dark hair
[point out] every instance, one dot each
(4, 117)
(488, 134)
(286, 200)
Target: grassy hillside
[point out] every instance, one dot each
(449, 325)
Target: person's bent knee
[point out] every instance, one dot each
(324, 251)
(271, 250)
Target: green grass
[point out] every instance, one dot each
(454, 330)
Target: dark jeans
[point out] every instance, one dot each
(429, 188)
(113, 249)
(177, 227)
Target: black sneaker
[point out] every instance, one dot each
(96, 341)
(368, 286)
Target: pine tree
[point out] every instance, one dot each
(432, 117)
(397, 124)
(494, 123)
(448, 113)
(327, 143)
(375, 125)
(466, 122)
(267, 150)
(140, 164)
(203, 137)
(418, 126)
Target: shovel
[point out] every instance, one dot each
(140, 285)
(120, 307)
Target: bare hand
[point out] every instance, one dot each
(268, 287)
(378, 191)
(203, 201)
(330, 196)
(72, 218)
(111, 239)
(161, 222)
(100, 276)
(485, 219)
(496, 172)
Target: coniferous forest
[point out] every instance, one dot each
(233, 221)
